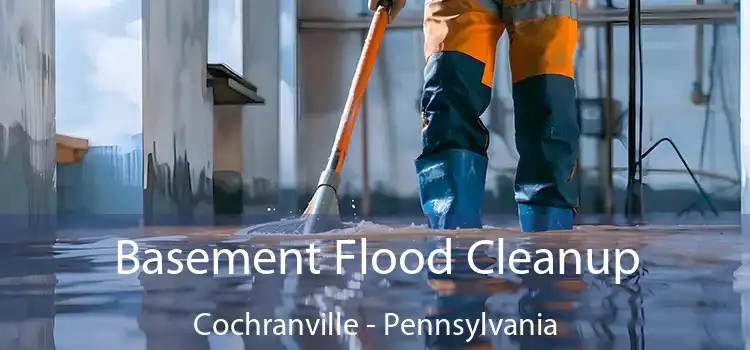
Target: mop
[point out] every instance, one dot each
(322, 212)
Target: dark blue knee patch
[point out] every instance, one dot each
(453, 99)
(547, 141)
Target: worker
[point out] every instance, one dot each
(460, 43)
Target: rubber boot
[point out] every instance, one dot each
(537, 218)
(451, 188)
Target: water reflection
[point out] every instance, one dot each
(170, 304)
(554, 296)
(27, 297)
(684, 299)
(528, 311)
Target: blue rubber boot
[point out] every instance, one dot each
(537, 218)
(451, 188)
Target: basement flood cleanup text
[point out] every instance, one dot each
(354, 256)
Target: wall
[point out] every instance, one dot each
(744, 78)
(27, 116)
(742, 275)
(228, 161)
(177, 113)
(227, 128)
(27, 170)
(261, 122)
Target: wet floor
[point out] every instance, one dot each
(69, 296)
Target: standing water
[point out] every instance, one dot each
(677, 295)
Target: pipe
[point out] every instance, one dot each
(606, 160)
(366, 198)
(634, 188)
(698, 96)
(698, 173)
(652, 15)
(744, 35)
(580, 51)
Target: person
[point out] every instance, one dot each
(460, 43)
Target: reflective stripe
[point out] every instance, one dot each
(539, 9)
(492, 6)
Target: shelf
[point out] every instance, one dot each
(230, 88)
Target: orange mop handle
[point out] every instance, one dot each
(357, 89)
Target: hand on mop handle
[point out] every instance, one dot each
(393, 7)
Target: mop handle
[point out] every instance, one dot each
(357, 89)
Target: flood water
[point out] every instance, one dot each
(69, 296)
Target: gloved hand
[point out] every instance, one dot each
(396, 7)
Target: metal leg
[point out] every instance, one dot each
(634, 191)
(605, 148)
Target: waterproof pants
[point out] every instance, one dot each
(460, 44)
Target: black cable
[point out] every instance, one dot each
(684, 163)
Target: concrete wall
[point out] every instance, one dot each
(177, 112)
(261, 123)
(27, 115)
(744, 92)
(227, 127)
(228, 161)
(289, 110)
(742, 275)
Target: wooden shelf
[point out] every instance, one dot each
(71, 150)
(230, 88)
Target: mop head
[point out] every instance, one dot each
(323, 217)
(309, 224)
